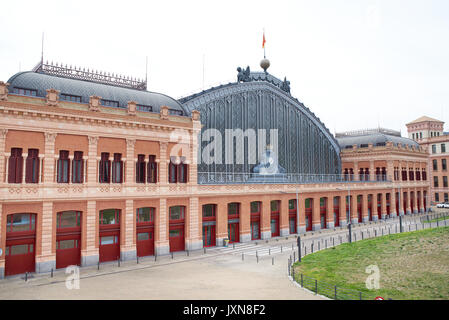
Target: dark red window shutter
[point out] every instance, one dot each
(78, 167)
(152, 169)
(104, 168)
(117, 172)
(15, 166)
(32, 166)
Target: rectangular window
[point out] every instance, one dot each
(175, 233)
(275, 206)
(19, 249)
(109, 216)
(443, 164)
(446, 198)
(177, 213)
(145, 215)
(143, 236)
(255, 207)
(15, 166)
(437, 197)
(435, 165)
(445, 181)
(110, 103)
(208, 210)
(443, 148)
(435, 182)
(434, 148)
(152, 169)
(140, 169)
(69, 97)
(109, 240)
(308, 204)
(25, 92)
(104, 168)
(68, 219)
(233, 209)
(32, 166)
(20, 222)
(117, 168)
(144, 108)
(182, 171)
(63, 167)
(78, 167)
(172, 171)
(292, 204)
(66, 244)
(175, 112)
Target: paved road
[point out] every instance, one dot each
(241, 271)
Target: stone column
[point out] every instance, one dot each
(3, 157)
(193, 165)
(163, 174)
(383, 206)
(245, 225)
(127, 245)
(194, 240)
(343, 220)
(353, 213)
(365, 217)
(161, 243)
(92, 177)
(283, 218)
(356, 171)
(130, 163)
(49, 160)
(330, 212)
(415, 200)
(90, 251)
(221, 220)
(316, 223)
(265, 219)
(421, 200)
(408, 207)
(47, 258)
(301, 216)
(372, 173)
(393, 212)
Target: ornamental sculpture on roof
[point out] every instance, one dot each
(243, 75)
(286, 85)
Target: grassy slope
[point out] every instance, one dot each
(413, 265)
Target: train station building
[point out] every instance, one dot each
(95, 168)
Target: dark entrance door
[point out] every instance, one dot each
(256, 207)
(20, 243)
(68, 239)
(208, 235)
(234, 222)
(145, 231)
(176, 229)
(109, 235)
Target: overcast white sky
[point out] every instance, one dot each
(355, 63)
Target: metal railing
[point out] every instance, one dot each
(283, 178)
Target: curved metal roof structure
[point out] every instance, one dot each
(377, 139)
(84, 89)
(262, 102)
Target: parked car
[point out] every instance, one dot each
(443, 205)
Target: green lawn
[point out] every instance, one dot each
(413, 265)
(437, 219)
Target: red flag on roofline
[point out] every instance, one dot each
(263, 42)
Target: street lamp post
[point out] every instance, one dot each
(349, 222)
